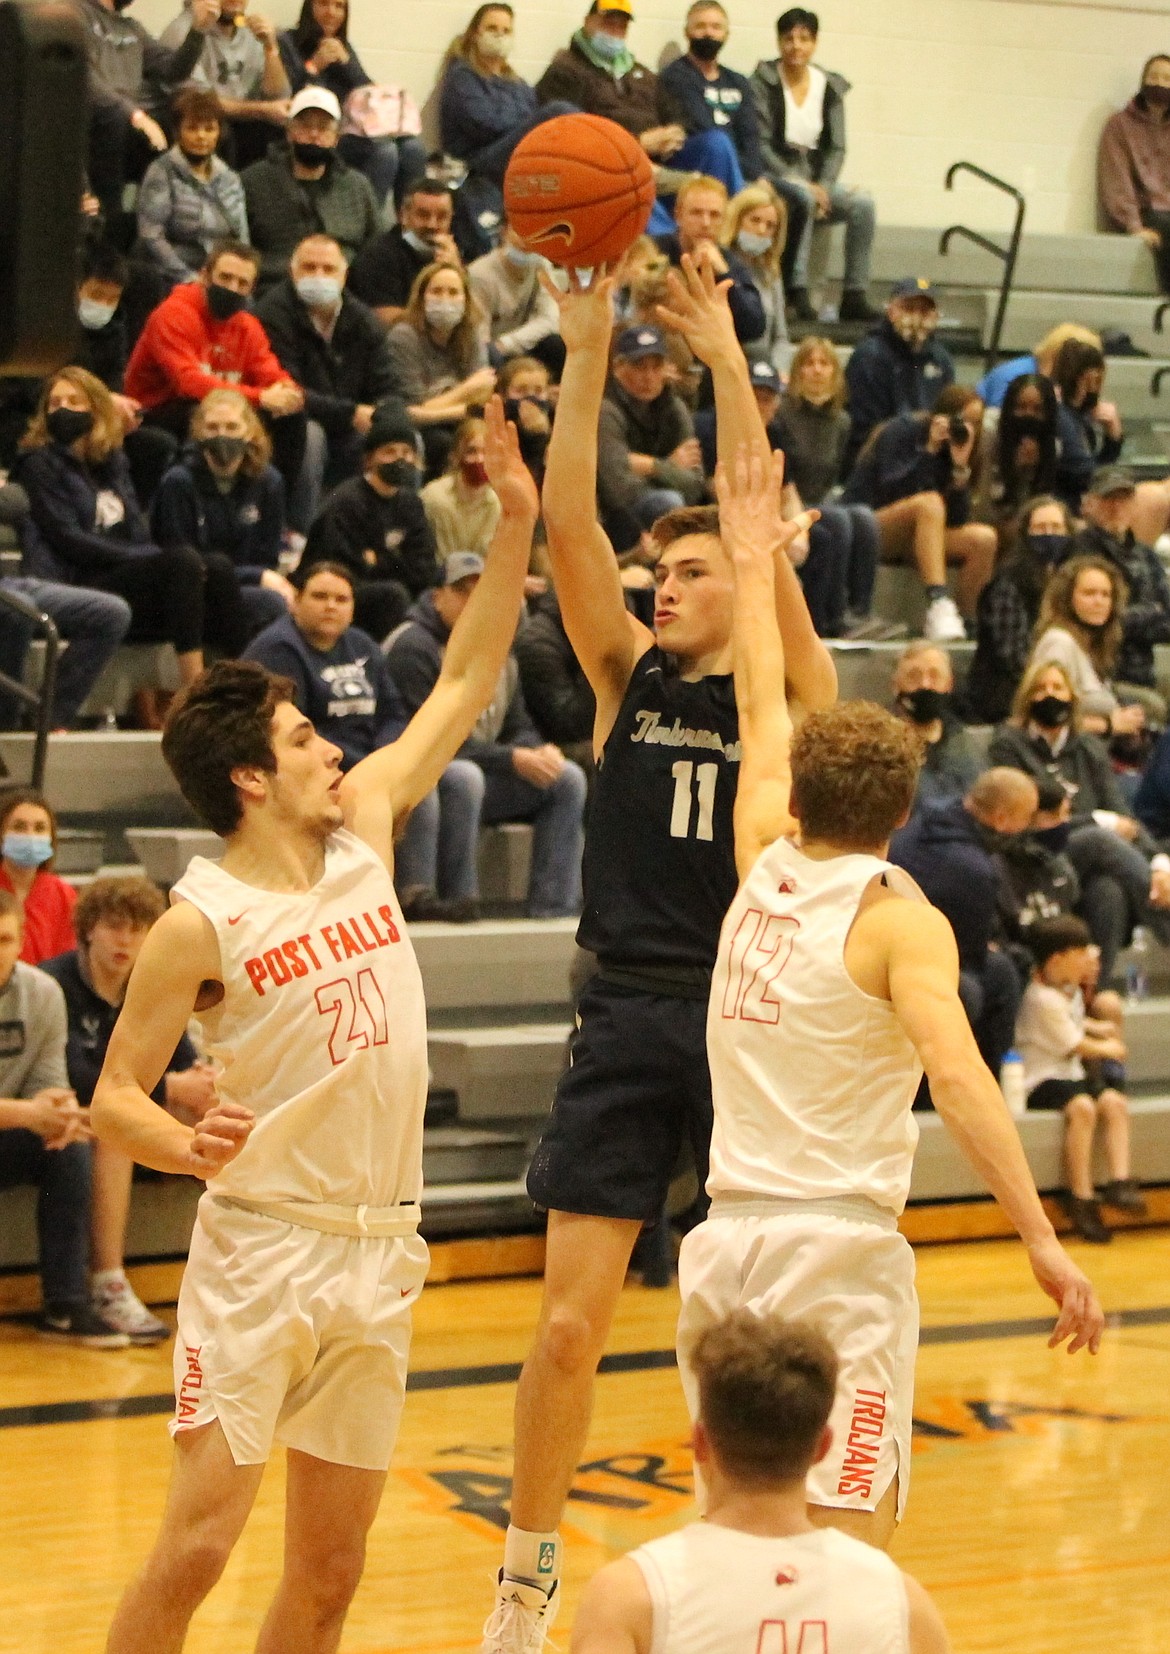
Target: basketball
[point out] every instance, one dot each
(579, 189)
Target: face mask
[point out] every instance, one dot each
(66, 425)
(706, 49)
(1158, 97)
(312, 155)
(224, 450)
(513, 404)
(223, 303)
(755, 246)
(915, 330)
(397, 473)
(27, 849)
(993, 840)
(495, 45)
(319, 292)
(444, 314)
(419, 244)
(474, 473)
(1047, 548)
(93, 315)
(1089, 402)
(1050, 712)
(1053, 839)
(520, 257)
(192, 159)
(1029, 425)
(608, 46)
(923, 706)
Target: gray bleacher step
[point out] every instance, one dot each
(165, 852)
(1030, 313)
(502, 1073)
(496, 963)
(1147, 1031)
(118, 773)
(864, 670)
(79, 853)
(1087, 263)
(453, 1154)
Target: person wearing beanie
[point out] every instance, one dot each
(375, 525)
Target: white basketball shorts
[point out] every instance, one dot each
(291, 1335)
(855, 1282)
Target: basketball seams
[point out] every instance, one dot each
(604, 189)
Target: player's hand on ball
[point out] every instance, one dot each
(509, 476)
(219, 1137)
(698, 309)
(1081, 1320)
(586, 312)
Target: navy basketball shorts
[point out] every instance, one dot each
(636, 1090)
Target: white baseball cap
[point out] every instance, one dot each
(315, 97)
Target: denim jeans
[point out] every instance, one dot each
(855, 210)
(556, 814)
(438, 849)
(93, 623)
(841, 567)
(62, 1178)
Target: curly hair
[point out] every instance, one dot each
(130, 898)
(1102, 644)
(854, 774)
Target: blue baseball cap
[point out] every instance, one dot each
(764, 376)
(914, 287)
(635, 343)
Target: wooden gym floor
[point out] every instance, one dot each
(1038, 1515)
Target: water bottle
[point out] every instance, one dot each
(1137, 970)
(1011, 1083)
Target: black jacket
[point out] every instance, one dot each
(724, 104)
(62, 539)
(335, 374)
(747, 307)
(379, 539)
(1146, 620)
(942, 849)
(896, 465)
(1082, 764)
(91, 1022)
(886, 377)
(383, 272)
(245, 524)
(628, 426)
(555, 688)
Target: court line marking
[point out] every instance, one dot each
(460, 1378)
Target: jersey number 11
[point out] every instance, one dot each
(704, 777)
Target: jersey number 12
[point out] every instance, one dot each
(704, 777)
(811, 1637)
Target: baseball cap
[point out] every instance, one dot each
(764, 374)
(626, 7)
(391, 423)
(315, 97)
(636, 342)
(1111, 479)
(914, 287)
(461, 565)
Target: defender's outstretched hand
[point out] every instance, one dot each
(699, 310)
(507, 472)
(751, 522)
(1081, 1319)
(586, 312)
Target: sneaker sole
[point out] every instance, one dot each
(89, 1341)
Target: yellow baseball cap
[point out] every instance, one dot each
(624, 6)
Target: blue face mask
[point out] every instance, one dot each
(755, 246)
(521, 257)
(26, 849)
(93, 316)
(319, 292)
(609, 46)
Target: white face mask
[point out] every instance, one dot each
(495, 45)
(445, 313)
(92, 314)
(755, 246)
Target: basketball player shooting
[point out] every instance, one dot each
(294, 1314)
(659, 872)
(835, 986)
(757, 1574)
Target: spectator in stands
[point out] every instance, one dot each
(709, 96)
(113, 917)
(303, 187)
(525, 779)
(130, 78)
(375, 526)
(898, 368)
(86, 527)
(1055, 1038)
(1009, 606)
(993, 386)
(756, 226)
(189, 198)
(1151, 803)
(1089, 431)
(522, 318)
(646, 287)
(439, 351)
(1133, 166)
(1024, 456)
(240, 64)
(924, 694)
(45, 1141)
(918, 472)
(801, 113)
(342, 682)
(1079, 628)
(45, 901)
(524, 385)
(948, 847)
(648, 457)
(556, 690)
(225, 500)
(317, 52)
(335, 348)
(1039, 881)
(599, 74)
(700, 208)
(386, 269)
(461, 505)
(1110, 508)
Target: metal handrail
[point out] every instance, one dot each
(42, 698)
(1159, 313)
(1008, 254)
(1156, 379)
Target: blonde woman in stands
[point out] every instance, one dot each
(28, 844)
(993, 385)
(756, 226)
(461, 505)
(439, 350)
(1079, 629)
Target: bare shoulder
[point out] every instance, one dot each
(615, 1613)
(182, 944)
(928, 1634)
(902, 918)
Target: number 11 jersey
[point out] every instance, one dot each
(321, 1032)
(659, 867)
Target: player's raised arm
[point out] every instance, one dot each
(923, 965)
(178, 958)
(393, 779)
(699, 310)
(606, 639)
(752, 533)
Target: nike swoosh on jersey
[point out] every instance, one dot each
(238, 917)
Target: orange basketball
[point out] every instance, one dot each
(579, 189)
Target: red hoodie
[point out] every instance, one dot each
(183, 352)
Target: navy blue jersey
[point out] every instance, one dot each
(659, 866)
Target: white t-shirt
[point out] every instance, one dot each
(1050, 1026)
(804, 122)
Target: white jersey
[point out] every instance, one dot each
(716, 1590)
(321, 1032)
(812, 1079)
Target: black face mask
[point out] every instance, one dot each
(1047, 548)
(706, 49)
(1053, 839)
(994, 841)
(923, 706)
(192, 159)
(1157, 97)
(224, 303)
(224, 450)
(1050, 712)
(312, 155)
(1032, 425)
(1089, 402)
(66, 425)
(397, 473)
